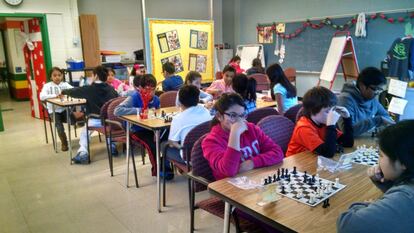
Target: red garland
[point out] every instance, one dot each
(383, 16)
(391, 20)
(374, 16)
(401, 19)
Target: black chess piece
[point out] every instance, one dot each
(326, 203)
(283, 190)
(286, 172)
(278, 172)
(283, 173)
(278, 177)
(274, 177)
(306, 174)
(313, 179)
(162, 113)
(288, 177)
(270, 179)
(265, 181)
(294, 170)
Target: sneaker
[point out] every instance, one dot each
(169, 175)
(81, 158)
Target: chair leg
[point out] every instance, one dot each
(236, 222)
(88, 142)
(52, 134)
(163, 179)
(99, 135)
(74, 129)
(192, 197)
(143, 154)
(44, 126)
(134, 166)
(108, 150)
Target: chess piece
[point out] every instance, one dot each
(283, 173)
(300, 194)
(274, 178)
(337, 182)
(294, 170)
(313, 179)
(326, 203)
(286, 172)
(288, 188)
(283, 190)
(278, 172)
(311, 198)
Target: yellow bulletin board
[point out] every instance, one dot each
(188, 44)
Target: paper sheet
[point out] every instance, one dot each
(397, 88)
(397, 105)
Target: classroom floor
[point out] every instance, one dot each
(41, 192)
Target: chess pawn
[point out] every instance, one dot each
(311, 198)
(288, 188)
(330, 187)
(300, 194)
(337, 182)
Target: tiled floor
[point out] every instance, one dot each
(41, 192)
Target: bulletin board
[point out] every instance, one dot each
(188, 44)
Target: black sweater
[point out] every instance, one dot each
(96, 95)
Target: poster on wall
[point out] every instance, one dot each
(198, 39)
(265, 35)
(197, 62)
(176, 60)
(168, 41)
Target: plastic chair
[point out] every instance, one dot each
(278, 128)
(167, 99)
(292, 112)
(290, 73)
(263, 82)
(261, 113)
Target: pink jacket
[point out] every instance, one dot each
(236, 66)
(255, 145)
(116, 83)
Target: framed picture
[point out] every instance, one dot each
(265, 35)
(176, 60)
(168, 41)
(198, 40)
(197, 62)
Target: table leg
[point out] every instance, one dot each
(70, 138)
(54, 128)
(157, 146)
(127, 154)
(226, 227)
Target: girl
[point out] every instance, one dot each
(120, 87)
(256, 67)
(194, 78)
(281, 89)
(235, 63)
(395, 176)
(223, 85)
(52, 90)
(246, 87)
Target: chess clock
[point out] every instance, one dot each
(14, 2)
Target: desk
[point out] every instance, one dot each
(264, 104)
(65, 104)
(288, 215)
(155, 125)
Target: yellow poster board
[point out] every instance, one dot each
(187, 44)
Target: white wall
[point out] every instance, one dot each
(63, 25)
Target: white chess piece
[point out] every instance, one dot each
(300, 194)
(312, 198)
(337, 182)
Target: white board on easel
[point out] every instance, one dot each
(341, 51)
(249, 52)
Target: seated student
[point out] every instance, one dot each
(120, 87)
(394, 175)
(235, 63)
(192, 115)
(366, 111)
(246, 87)
(316, 130)
(256, 67)
(223, 85)
(52, 90)
(281, 89)
(133, 105)
(171, 82)
(194, 78)
(96, 95)
(136, 83)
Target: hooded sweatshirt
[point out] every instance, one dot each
(254, 145)
(365, 114)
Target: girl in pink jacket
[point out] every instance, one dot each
(233, 145)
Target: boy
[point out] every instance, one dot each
(171, 82)
(223, 85)
(96, 95)
(366, 111)
(52, 90)
(192, 115)
(133, 105)
(316, 129)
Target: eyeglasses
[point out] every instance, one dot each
(234, 116)
(376, 90)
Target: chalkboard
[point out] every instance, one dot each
(307, 52)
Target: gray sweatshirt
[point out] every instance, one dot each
(393, 212)
(365, 114)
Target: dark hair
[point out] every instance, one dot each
(245, 86)
(224, 103)
(257, 62)
(371, 76)
(55, 68)
(191, 76)
(189, 95)
(148, 80)
(276, 75)
(317, 98)
(235, 58)
(101, 72)
(137, 80)
(397, 142)
(110, 69)
(169, 67)
(228, 68)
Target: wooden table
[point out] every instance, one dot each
(288, 215)
(264, 104)
(67, 103)
(156, 125)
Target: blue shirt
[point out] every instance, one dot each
(172, 83)
(287, 102)
(250, 106)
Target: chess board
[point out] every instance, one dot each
(365, 156)
(297, 185)
(166, 117)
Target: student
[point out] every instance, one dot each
(235, 63)
(256, 67)
(223, 85)
(246, 87)
(316, 129)
(171, 82)
(96, 95)
(366, 111)
(136, 84)
(394, 175)
(281, 89)
(120, 87)
(133, 105)
(194, 78)
(52, 90)
(191, 115)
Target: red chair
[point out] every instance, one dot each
(292, 112)
(167, 99)
(263, 82)
(290, 73)
(279, 129)
(261, 113)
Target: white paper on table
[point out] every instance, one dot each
(397, 88)
(397, 105)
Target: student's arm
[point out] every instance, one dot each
(214, 89)
(174, 137)
(279, 102)
(328, 147)
(177, 101)
(77, 92)
(165, 86)
(347, 138)
(67, 85)
(45, 93)
(270, 152)
(127, 108)
(205, 97)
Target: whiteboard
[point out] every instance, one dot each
(333, 58)
(249, 52)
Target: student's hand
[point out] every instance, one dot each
(342, 111)
(267, 98)
(239, 127)
(375, 173)
(60, 96)
(332, 118)
(209, 104)
(246, 166)
(387, 121)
